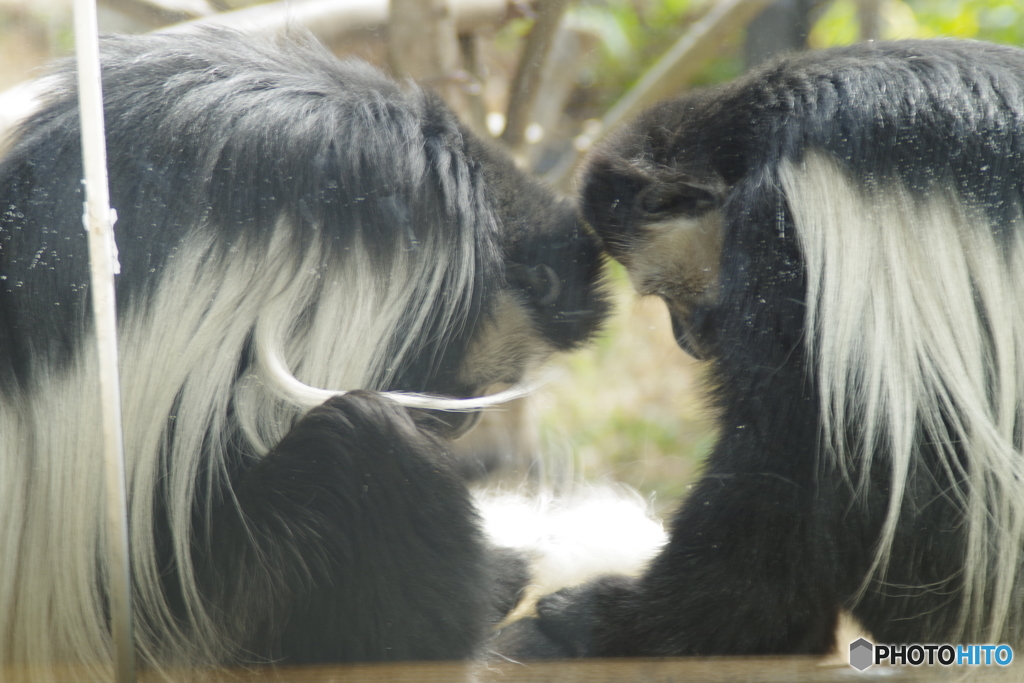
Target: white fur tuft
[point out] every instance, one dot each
(570, 539)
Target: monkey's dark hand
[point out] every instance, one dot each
(382, 553)
(357, 454)
(362, 420)
(570, 623)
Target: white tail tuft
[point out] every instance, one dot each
(594, 530)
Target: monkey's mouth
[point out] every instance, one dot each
(455, 414)
(450, 424)
(685, 337)
(453, 425)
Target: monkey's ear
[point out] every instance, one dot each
(540, 282)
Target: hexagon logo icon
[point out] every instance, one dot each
(861, 654)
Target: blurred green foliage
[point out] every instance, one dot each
(632, 35)
(999, 21)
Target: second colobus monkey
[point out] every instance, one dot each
(841, 235)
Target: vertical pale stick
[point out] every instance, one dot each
(98, 219)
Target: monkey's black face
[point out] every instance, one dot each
(552, 300)
(662, 220)
(551, 297)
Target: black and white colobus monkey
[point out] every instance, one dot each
(285, 220)
(841, 236)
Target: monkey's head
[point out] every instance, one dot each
(549, 296)
(538, 274)
(655, 193)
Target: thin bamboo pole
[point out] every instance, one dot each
(99, 223)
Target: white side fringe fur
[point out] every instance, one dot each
(915, 322)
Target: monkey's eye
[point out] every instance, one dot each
(678, 200)
(541, 282)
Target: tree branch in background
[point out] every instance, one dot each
(525, 85)
(669, 74)
(782, 27)
(157, 13)
(476, 110)
(423, 46)
(334, 20)
(571, 51)
(869, 18)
